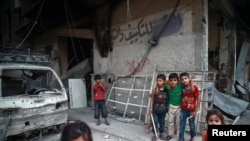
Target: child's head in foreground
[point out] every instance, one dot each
(76, 131)
(215, 117)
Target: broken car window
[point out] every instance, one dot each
(32, 82)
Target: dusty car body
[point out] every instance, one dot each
(33, 97)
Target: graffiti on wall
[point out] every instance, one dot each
(132, 32)
(133, 64)
(142, 28)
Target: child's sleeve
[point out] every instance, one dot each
(166, 85)
(196, 91)
(151, 94)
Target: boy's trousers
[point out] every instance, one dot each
(173, 119)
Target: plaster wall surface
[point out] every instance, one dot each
(176, 49)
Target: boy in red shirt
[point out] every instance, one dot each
(99, 90)
(189, 105)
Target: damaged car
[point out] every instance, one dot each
(31, 97)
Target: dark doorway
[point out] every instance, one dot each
(78, 50)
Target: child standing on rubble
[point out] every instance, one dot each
(159, 107)
(99, 90)
(189, 105)
(214, 117)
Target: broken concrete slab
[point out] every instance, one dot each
(228, 104)
(244, 118)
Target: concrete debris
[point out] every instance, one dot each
(106, 137)
(228, 104)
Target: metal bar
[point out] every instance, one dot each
(118, 102)
(131, 104)
(152, 84)
(17, 58)
(133, 75)
(201, 107)
(110, 91)
(129, 97)
(5, 129)
(236, 120)
(119, 88)
(143, 96)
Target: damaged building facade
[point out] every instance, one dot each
(115, 37)
(131, 37)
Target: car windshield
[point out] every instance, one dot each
(20, 81)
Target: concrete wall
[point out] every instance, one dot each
(181, 47)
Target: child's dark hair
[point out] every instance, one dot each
(75, 130)
(98, 76)
(173, 75)
(161, 76)
(216, 112)
(184, 74)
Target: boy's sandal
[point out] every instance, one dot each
(98, 123)
(147, 128)
(162, 137)
(168, 137)
(175, 131)
(191, 139)
(154, 138)
(107, 123)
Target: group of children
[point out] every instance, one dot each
(80, 131)
(179, 98)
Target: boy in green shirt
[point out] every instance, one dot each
(175, 95)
